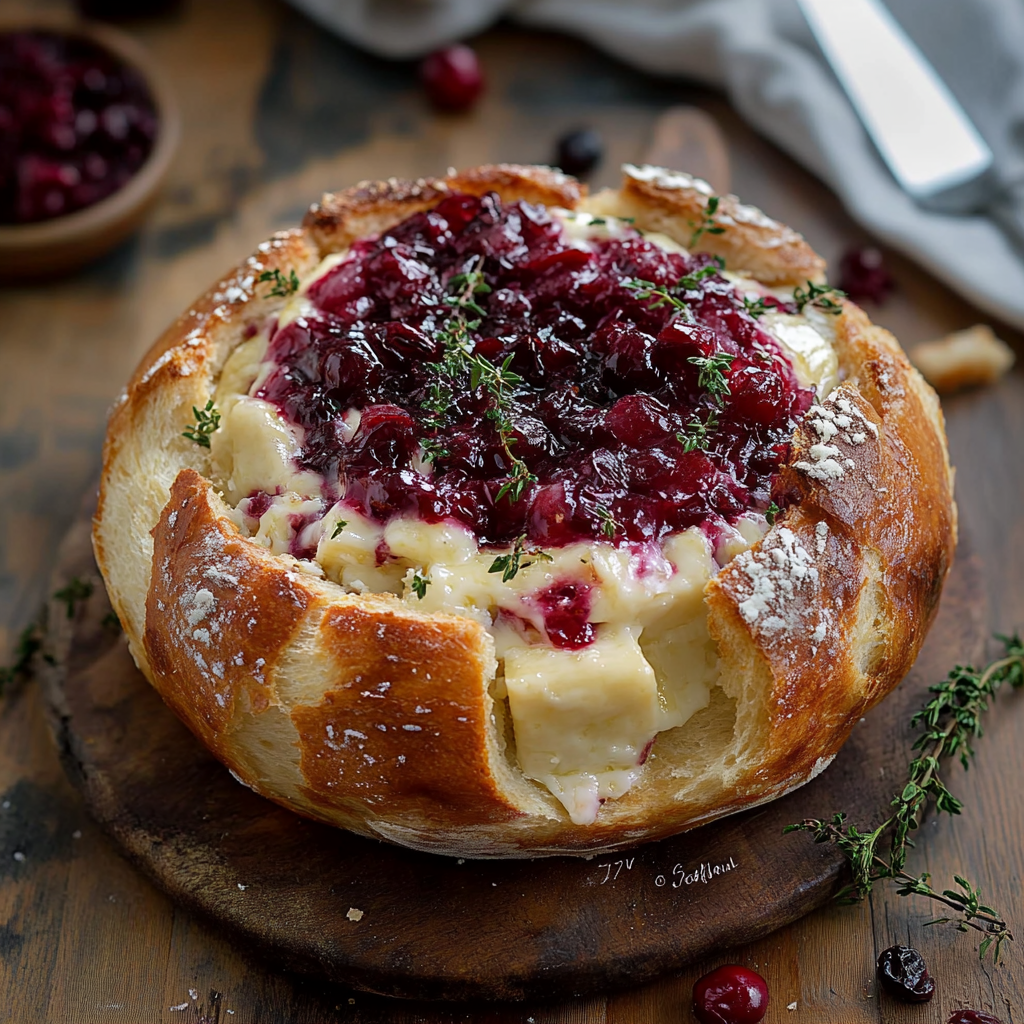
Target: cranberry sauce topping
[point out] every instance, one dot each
(606, 377)
(565, 606)
(75, 124)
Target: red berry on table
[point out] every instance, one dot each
(452, 78)
(730, 994)
(973, 1017)
(862, 275)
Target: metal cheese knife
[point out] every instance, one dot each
(920, 129)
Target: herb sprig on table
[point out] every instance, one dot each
(951, 722)
(29, 643)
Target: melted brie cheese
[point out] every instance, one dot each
(584, 720)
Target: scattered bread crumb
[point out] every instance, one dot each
(963, 359)
(791, 1006)
(354, 915)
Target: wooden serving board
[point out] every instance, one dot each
(435, 927)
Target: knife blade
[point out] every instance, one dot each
(918, 126)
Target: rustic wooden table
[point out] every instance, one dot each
(275, 112)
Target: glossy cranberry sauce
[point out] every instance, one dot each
(75, 124)
(607, 380)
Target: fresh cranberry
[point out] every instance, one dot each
(973, 1017)
(862, 275)
(730, 994)
(452, 78)
(579, 152)
(903, 974)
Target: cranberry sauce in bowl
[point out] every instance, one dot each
(525, 383)
(76, 123)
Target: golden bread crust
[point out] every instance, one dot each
(361, 712)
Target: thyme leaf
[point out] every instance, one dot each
(509, 565)
(713, 370)
(692, 281)
(338, 527)
(76, 590)
(707, 225)
(659, 293)
(951, 721)
(696, 435)
(30, 640)
(610, 526)
(460, 362)
(282, 286)
(820, 296)
(756, 307)
(207, 421)
(419, 583)
(771, 513)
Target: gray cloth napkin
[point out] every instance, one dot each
(762, 53)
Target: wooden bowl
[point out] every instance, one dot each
(57, 246)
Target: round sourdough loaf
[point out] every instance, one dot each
(275, 668)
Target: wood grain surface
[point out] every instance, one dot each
(274, 112)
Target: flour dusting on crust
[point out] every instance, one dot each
(836, 419)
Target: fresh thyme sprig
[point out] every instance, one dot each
(282, 286)
(76, 590)
(499, 382)
(696, 435)
(771, 513)
(756, 307)
(419, 583)
(29, 642)
(207, 421)
(659, 293)
(821, 296)
(610, 526)
(713, 371)
(510, 564)
(952, 720)
(707, 226)
(338, 527)
(690, 282)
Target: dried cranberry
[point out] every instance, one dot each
(973, 1017)
(579, 152)
(862, 275)
(903, 974)
(730, 994)
(452, 78)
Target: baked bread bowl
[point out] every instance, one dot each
(452, 619)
